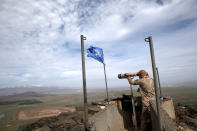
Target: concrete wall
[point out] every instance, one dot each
(110, 119)
(167, 116)
(168, 106)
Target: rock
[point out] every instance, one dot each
(63, 122)
(44, 128)
(190, 121)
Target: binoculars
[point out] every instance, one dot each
(123, 76)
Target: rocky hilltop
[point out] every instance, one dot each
(186, 119)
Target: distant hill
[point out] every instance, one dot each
(41, 90)
(20, 102)
(9, 99)
(27, 94)
(29, 91)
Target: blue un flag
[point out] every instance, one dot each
(96, 53)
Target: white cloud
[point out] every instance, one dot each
(40, 40)
(70, 74)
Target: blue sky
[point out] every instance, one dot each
(40, 40)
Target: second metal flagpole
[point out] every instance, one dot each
(149, 39)
(106, 83)
(84, 84)
(133, 107)
(159, 82)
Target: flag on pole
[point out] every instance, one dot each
(96, 53)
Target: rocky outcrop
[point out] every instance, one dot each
(63, 122)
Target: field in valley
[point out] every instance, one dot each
(21, 109)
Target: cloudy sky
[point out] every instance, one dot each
(40, 40)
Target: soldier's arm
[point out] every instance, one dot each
(129, 80)
(137, 82)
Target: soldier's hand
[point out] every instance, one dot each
(128, 78)
(126, 74)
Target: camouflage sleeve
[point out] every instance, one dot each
(137, 82)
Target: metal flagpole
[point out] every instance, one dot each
(133, 107)
(149, 39)
(106, 84)
(159, 82)
(84, 84)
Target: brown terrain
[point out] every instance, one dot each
(72, 120)
(43, 112)
(65, 121)
(186, 117)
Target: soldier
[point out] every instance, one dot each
(147, 93)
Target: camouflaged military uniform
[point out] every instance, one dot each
(146, 90)
(148, 93)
